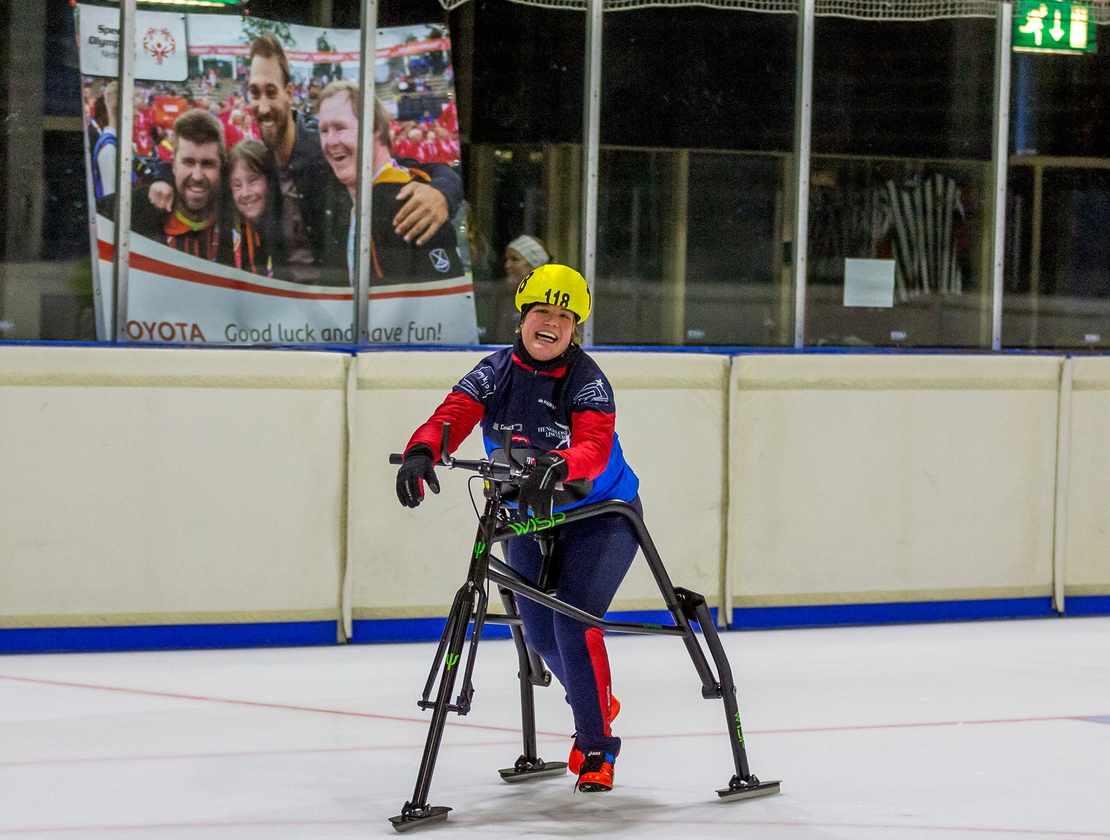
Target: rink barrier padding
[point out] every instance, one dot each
(167, 637)
(431, 629)
(1087, 605)
(188, 486)
(1087, 533)
(168, 619)
(902, 612)
(891, 473)
(402, 562)
(204, 488)
(411, 562)
(888, 596)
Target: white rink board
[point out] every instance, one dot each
(1087, 554)
(671, 423)
(407, 563)
(201, 486)
(862, 478)
(169, 486)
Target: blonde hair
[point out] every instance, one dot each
(382, 120)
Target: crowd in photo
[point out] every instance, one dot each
(261, 174)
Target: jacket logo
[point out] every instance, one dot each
(594, 392)
(560, 436)
(440, 261)
(479, 383)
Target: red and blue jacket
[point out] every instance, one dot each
(564, 406)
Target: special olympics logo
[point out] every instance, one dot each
(440, 261)
(159, 43)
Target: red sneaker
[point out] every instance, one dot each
(596, 774)
(574, 762)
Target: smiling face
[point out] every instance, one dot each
(339, 137)
(196, 175)
(546, 331)
(248, 190)
(271, 101)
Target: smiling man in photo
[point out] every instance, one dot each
(195, 222)
(393, 258)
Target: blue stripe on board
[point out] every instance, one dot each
(1087, 605)
(288, 634)
(166, 637)
(830, 615)
(1105, 719)
(430, 629)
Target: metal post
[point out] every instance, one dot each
(1063, 473)
(803, 116)
(1000, 154)
(100, 313)
(591, 139)
(366, 171)
(674, 268)
(1035, 250)
(121, 256)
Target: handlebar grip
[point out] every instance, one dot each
(396, 458)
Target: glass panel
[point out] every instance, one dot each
(45, 274)
(1057, 285)
(899, 213)
(689, 249)
(520, 108)
(518, 189)
(693, 192)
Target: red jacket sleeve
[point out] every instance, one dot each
(461, 411)
(591, 441)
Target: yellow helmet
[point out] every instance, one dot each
(559, 285)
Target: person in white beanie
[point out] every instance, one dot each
(522, 255)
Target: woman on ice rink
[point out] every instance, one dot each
(559, 406)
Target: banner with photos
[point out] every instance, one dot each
(244, 184)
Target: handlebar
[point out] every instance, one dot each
(490, 469)
(486, 467)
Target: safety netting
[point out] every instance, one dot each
(859, 9)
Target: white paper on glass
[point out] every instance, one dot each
(869, 283)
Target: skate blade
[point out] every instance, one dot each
(549, 769)
(751, 792)
(429, 816)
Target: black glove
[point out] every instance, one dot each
(538, 488)
(417, 467)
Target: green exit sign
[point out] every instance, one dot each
(1053, 26)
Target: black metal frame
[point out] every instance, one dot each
(470, 608)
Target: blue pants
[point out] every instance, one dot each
(596, 554)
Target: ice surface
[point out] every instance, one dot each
(976, 730)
